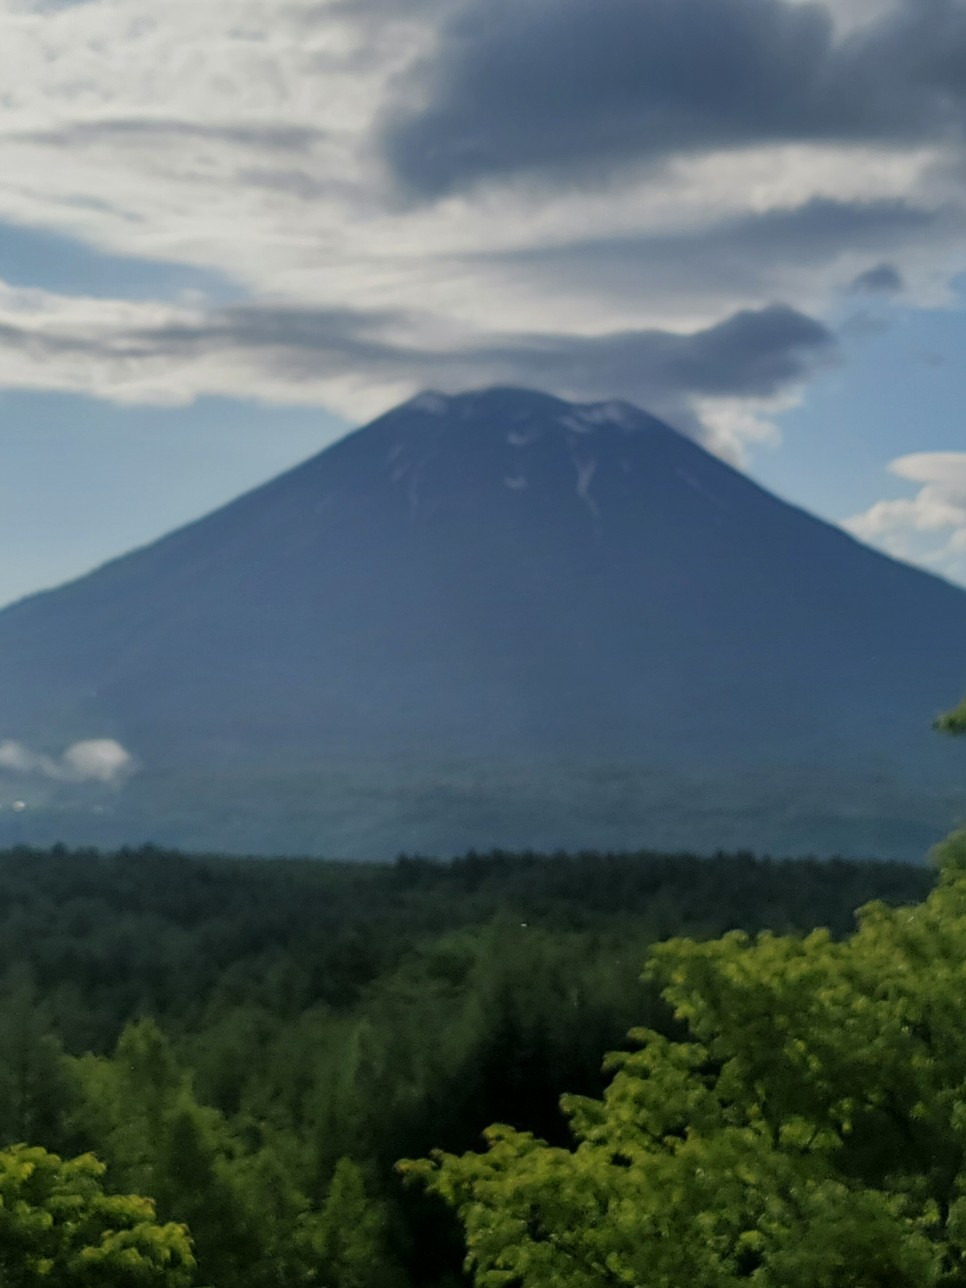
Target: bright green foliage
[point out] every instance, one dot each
(953, 721)
(810, 1133)
(58, 1229)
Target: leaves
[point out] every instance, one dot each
(59, 1229)
(809, 1134)
(954, 721)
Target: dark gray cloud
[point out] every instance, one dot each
(562, 88)
(732, 255)
(882, 279)
(753, 353)
(369, 11)
(316, 339)
(279, 137)
(306, 341)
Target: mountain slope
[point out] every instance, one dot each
(500, 618)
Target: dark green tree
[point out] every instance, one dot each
(348, 1236)
(35, 1095)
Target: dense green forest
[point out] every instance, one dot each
(254, 1045)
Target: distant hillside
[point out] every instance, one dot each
(491, 619)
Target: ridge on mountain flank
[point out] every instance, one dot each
(496, 618)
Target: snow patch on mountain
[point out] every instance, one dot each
(431, 403)
(585, 475)
(696, 486)
(576, 424)
(610, 413)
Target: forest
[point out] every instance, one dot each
(223, 1064)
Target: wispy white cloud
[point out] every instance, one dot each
(929, 527)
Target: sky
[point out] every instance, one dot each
(232, 229)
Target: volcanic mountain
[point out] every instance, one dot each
(495, 618)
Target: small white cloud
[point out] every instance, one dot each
(14, 756)
(907, 527)
(100, 760)
(93, 760)
(734, 427)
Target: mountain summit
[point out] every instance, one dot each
(495, 618)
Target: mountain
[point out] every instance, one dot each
(495, 618)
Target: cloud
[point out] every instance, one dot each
(558, 89)
(275, 136)
(304, 355)
(928, 527)
(264, 187)
(95, 760)
(754, 353)
(18, 759)
(883, 279)
(101, 760)
(745, 253)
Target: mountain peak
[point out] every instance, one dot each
(577, 463)
(495, 618)
(519, 404)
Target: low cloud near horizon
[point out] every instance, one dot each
(92, 760)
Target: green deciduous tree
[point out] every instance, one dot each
(953, 721)
(58, 1229)
(808, 1131)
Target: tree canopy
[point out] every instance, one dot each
(59, 1229)
(805, 1129)
(255, 1044)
